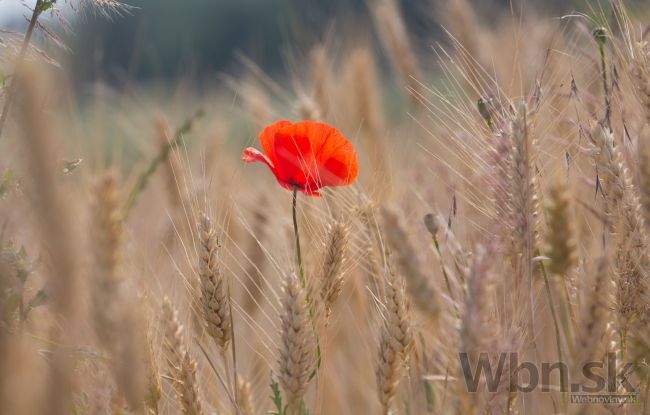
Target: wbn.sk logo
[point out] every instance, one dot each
(602, 382)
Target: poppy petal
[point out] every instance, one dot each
(334, 154)
(309, 191)
(268, 135)
(295, 159)
(306, 155)
(339, 170)
(251, 155)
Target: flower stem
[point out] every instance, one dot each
(603, 75)
(558, 338)
(302, 279)
(297, 235)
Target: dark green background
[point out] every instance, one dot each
(200, 38)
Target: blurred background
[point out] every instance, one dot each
(198, 39)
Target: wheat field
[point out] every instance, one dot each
(498, 221)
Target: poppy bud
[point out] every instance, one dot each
(430, 223)
(600, 34)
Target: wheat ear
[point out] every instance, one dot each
(244, 397)
(623, 211)
(523, 196)
(106, 236)
(561, 243)
(182, 367)
(477, 334)
(332, 277)
(297, 348)
(395, 340)
(214, 292)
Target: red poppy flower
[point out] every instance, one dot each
(307, 155)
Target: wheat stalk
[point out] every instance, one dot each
(392, 32)
(55, 225)
(321, 79)
(643, 150)
(420, 286)
(115, 317)
(365, 107)
(256, 256)
(590, 342)
(640, 70)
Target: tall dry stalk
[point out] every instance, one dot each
(172, 168)
(11, 89)
(106, 235)
(53, 210)
(394, 37)
(115, 317)
(365, 111)
(592, 338)
(476, 331)
(105, 7)
(640, 70)
(371, 246)
(321, 81)
(643, 163)
(254, 286)
(463, 24)
(419, 285)
(562, 249)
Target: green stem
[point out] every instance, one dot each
(444, 271)
(302, 276)
(558, 342)
(297, 235)
(603, 69)
(623, 342)
(569, 321)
